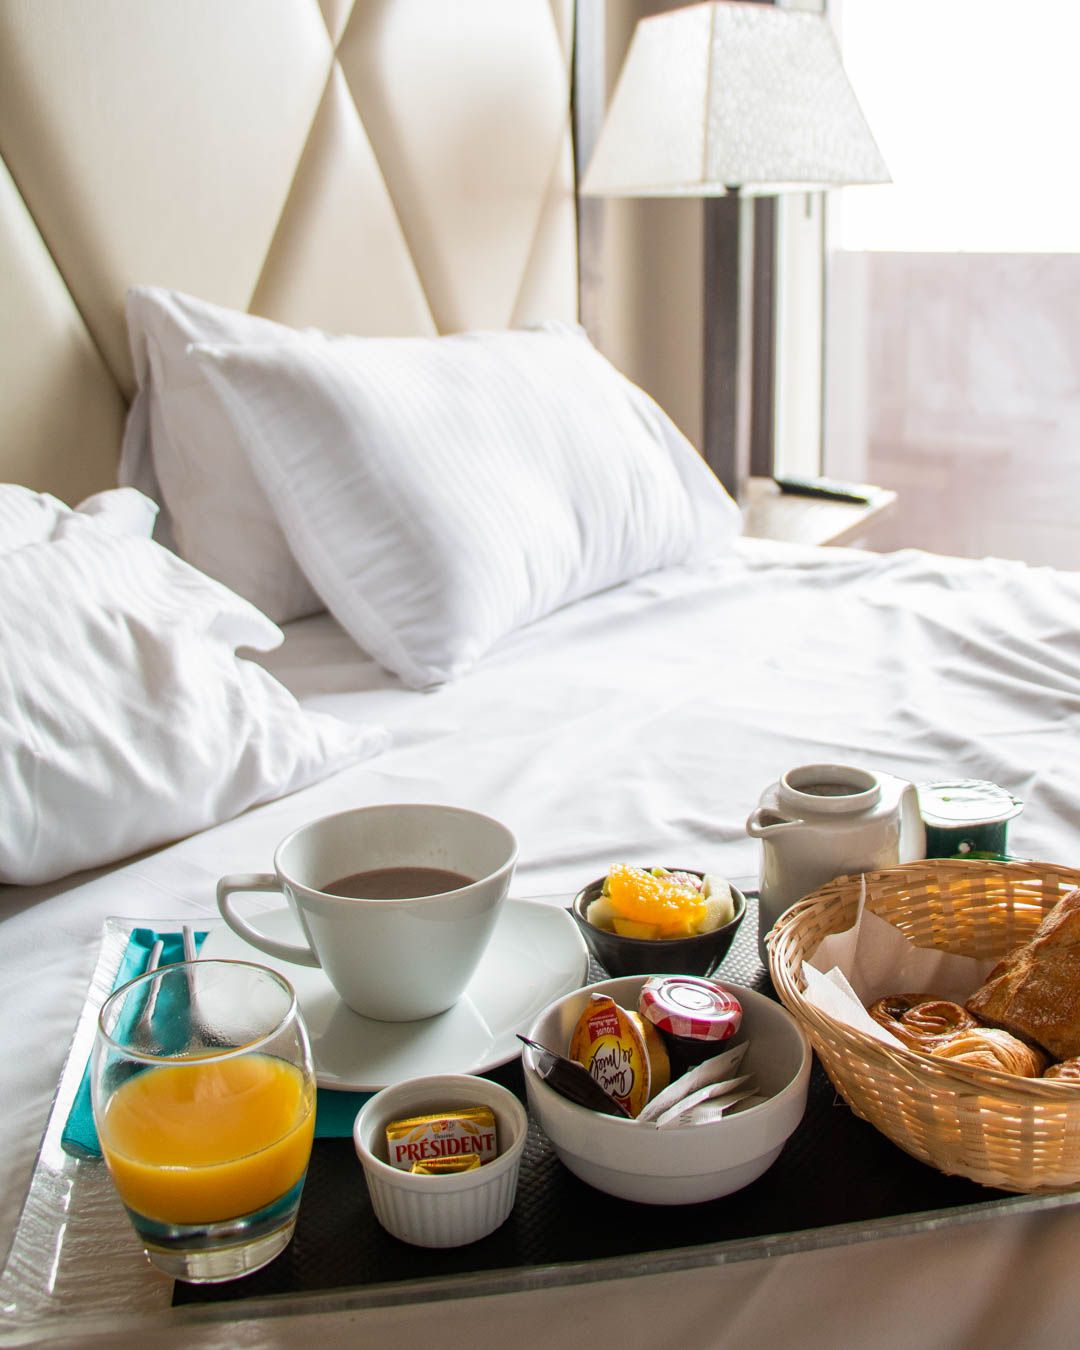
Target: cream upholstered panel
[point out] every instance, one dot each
(62, 411)
(366, 166)
(470, 199)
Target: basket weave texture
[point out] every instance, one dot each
(1013, 1133)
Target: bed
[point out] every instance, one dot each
(400, 169)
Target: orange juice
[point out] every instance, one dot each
(209, 1139)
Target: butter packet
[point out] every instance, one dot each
(451, 1134)
(444, 1167)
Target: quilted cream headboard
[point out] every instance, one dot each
(367, 166)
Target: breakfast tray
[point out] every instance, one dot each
(74, 1255)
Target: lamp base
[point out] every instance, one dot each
(728, 337)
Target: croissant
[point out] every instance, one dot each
(1068, 1071)
(987, 1048)
(918, 1020)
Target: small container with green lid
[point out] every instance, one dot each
(966, 816)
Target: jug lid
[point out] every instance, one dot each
(966, 801)
(835, 789)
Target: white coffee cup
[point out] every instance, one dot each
(395, 960)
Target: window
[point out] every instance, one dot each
(952, 353)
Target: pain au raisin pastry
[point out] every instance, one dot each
(1068, 1071)
(989, 1048)
(1034, 991)
(920, 1020)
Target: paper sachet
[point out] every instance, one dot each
(709, 1104)
(872, 959)
(702, 1094)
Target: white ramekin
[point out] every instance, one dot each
(446, 1211)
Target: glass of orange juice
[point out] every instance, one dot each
(204, 1101)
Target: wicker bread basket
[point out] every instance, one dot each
(1017, 1134)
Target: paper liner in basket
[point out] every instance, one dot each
(872, 959)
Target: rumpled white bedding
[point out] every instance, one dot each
(641, 724)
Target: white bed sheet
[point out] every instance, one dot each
(642, 724)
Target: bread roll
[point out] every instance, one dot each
(1034, 992)
(987, 1048)
(920, 1020)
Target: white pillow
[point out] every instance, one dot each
(126, 719)
(179, 450)
(441, 492)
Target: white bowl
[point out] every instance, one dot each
(446, 1211)
(684, 1165)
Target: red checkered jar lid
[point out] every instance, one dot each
(691, 1008)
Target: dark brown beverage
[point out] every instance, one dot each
(397, 883)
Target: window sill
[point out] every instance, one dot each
(769, 513)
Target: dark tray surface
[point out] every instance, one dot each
(835, 1170)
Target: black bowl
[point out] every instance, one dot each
(619, 955)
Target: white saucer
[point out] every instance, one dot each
(536, 955)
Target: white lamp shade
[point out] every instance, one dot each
(727, 95)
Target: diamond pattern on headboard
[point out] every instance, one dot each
(370, 166)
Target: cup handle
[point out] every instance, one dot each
(259, 881)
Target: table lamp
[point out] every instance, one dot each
(731, 100)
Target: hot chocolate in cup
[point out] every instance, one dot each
(397, 903)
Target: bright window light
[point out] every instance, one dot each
(975, 105)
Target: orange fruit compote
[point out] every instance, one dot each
(653, 906)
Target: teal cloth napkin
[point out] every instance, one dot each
(334, 1111)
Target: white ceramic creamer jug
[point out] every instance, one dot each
(825, 820)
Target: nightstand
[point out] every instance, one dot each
(769, 513)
